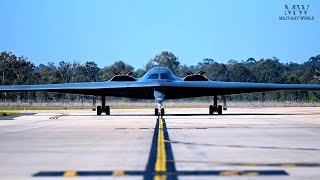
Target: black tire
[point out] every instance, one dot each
(156, 112)
(219, 109)
(107, 110)
(99, 110)
(162, 112)
(210, 110)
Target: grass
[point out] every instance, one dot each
(19, 108)
(8, 113)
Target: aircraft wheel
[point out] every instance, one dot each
(210, 110)
(107, 110)
(162, 112)
(156, 112)
(219, 109)
(99, 110)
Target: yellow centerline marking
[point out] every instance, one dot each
(251, 174)
(229, 173)
(117, 173)
(161, 161)
(70, 174)
(288, 165)
(249, 164)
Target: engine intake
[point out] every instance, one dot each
(195, 78)
(123, 78)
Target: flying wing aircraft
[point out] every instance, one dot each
(160, 83)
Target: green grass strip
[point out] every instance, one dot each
(8, 113)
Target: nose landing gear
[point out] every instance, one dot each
(159, 111)
(159, 98)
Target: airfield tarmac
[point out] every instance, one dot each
(244, 143)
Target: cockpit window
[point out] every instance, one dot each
(164, 76)
(154, 76)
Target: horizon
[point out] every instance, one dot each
(135, 32)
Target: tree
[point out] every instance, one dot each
(309, 75)
(313, 61)
(65, 71)
(87, 72)
(232, 62)
(251, 60)
(207, 61)
(19, 70)
(183, 71)
(292, 79)
(91, 69)
(165, 59)
(140, 72)
(14, 70)
(117, 67)
(240, 73)
(216, 71)
(48, 74)
(268, 71)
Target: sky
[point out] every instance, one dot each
(136, 31)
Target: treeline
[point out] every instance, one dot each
(19, 70)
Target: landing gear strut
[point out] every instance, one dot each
(224, 103)
(94, 103)
(103, 107)
(217, 108)
(159, 111)
(159, 95)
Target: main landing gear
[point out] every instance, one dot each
(103, 108)
(217, 108)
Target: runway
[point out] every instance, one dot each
(244, 143)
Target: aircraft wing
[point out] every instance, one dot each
(210, 88)
(88, 88)
(172, 89)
